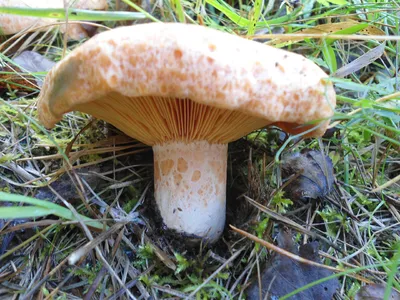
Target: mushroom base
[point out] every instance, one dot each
(190, 187)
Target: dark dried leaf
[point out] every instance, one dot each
(34, 62)
(316, 175)
(27, 61)
(283, 275)
(5, 242)
(65, 188)
(375, 292)
(364, 60)
(90, 29)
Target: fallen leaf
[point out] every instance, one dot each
(375, 292)
(65, 188)
(332, 28)
(283, 275)
(361, 62)
(34, 62)
(316, 175)
(26, 62)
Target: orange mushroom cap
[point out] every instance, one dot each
(159, 82)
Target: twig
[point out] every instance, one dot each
(294, 256)
(279, 218)
(386, 184)
(77, 254)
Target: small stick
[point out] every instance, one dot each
(386, 184)
(294, 256)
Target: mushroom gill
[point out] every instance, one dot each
(156, 120)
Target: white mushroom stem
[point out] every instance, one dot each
(190, 187)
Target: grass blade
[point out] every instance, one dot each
(17, 212)
(39, 208)
(73, 14)
(243, 22)
(180, 13)
(255, 17)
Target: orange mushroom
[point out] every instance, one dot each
(188, 91)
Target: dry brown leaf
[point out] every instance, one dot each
(283, 275)
(34, 62)
(375, 292)
(330, 28)
(361, 62)
(27, 61)
(316, 175)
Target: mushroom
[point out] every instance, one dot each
(188, 91)
(10, 24)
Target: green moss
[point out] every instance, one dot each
(7, 158)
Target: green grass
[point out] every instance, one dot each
(115, 185)
(39, 208)
(73, 14)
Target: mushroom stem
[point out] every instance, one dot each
(190, 187)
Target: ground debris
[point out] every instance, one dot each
(27, 61)
(34, 62)
(375, 292)
(283, 275)
(65, 187)
(315, 177)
